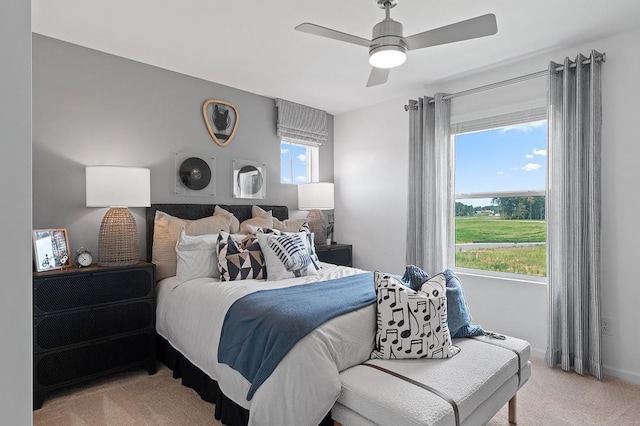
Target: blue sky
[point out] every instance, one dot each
(505, 159)
(299, 154)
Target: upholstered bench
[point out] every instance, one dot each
(467, 389)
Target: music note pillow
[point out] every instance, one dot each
(411, 324)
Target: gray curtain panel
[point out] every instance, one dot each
(573, 215)
(430, 230)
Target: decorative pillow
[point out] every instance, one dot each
(196, 257)
(459, 318)
(234, 226)
(208, 225)
(414, 277)
(286, 256)
(260, 230)
(411, 324)
(288, 225)
(166, 230)
(240, 260)
(311, 248)
(264, 220)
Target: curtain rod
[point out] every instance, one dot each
(560, 68)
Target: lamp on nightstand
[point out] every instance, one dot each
(118, 188)
(315, 197)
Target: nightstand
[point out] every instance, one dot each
(338, 254)
(89, 322)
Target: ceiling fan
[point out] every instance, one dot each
(387, 47)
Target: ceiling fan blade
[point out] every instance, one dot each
(378, 76)
(336, 35)
(480, 26)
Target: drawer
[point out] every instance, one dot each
(81, 290)
(68, 366)
(73, 327)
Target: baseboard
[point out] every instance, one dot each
(615, 373)
(618, 373)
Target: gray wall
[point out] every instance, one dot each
(15, 212)
(91, 108)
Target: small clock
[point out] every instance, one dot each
(83, 257)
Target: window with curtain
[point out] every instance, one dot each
(500, 177)
(303, 130)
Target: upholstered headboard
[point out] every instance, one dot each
(198, 211)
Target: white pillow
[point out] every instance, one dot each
(286, 256)
(196, 257)
(412, 324)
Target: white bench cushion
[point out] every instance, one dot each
(484, 367)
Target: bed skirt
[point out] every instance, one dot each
(226, 411)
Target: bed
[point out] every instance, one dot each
(305, 385)
(212, 334)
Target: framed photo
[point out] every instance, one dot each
(51, 249)
(221, 119)
(249, 179)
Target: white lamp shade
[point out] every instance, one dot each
(315, 196)
(110, 186)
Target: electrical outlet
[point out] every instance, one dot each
(606, 326)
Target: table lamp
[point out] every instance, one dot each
(118, 188)
(314, 197)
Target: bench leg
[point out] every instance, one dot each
(512, 411)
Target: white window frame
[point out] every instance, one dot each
(313, 162)
(489, 123)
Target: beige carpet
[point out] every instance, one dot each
(551, 397)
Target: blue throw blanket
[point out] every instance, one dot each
(260, 328)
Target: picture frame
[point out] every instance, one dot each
(51, 249)
(221, 119)
(249, 179)
(194, 174)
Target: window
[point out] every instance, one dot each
(500, 174)
(298, 163)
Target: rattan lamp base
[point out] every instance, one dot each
(118, 239)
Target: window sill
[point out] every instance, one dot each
(502, 276)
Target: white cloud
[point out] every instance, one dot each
(526, 127)
(302, 158)
(286, 180)
(541, 152)
(529, 156)
(530, 167)
(284, 150)
(300, 179)
(500, 173)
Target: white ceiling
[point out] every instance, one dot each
(251, 44)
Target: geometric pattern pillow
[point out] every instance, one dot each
(240, 260)
(286, 256)
(411, 324)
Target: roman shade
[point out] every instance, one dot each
(301, 124)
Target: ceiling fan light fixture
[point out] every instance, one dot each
(387, 57)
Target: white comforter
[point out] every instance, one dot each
(304, 387)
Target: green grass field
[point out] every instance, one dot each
(483, 229)
(527, 260)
